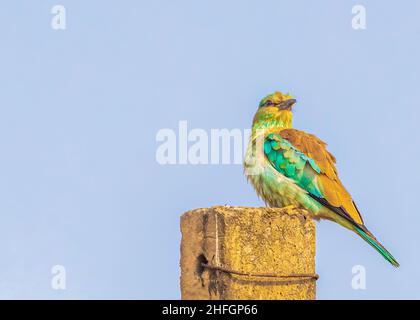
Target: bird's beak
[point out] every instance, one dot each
(287, 104)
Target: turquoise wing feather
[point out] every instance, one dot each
(292, 163)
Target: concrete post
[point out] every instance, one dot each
(241, 253)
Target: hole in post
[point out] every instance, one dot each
(200, 260)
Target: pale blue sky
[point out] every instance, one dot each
(80, 109)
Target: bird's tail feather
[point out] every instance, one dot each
(369, 238)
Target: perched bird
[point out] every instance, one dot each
(288, 167)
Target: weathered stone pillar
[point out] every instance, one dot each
(247, 253)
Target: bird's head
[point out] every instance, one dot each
(275, 110)
(281, 101)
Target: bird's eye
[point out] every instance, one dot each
(266, 103)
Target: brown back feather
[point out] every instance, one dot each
(332, 188)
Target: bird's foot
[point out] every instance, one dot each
(289, 207)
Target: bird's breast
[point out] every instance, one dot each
(273, 187)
